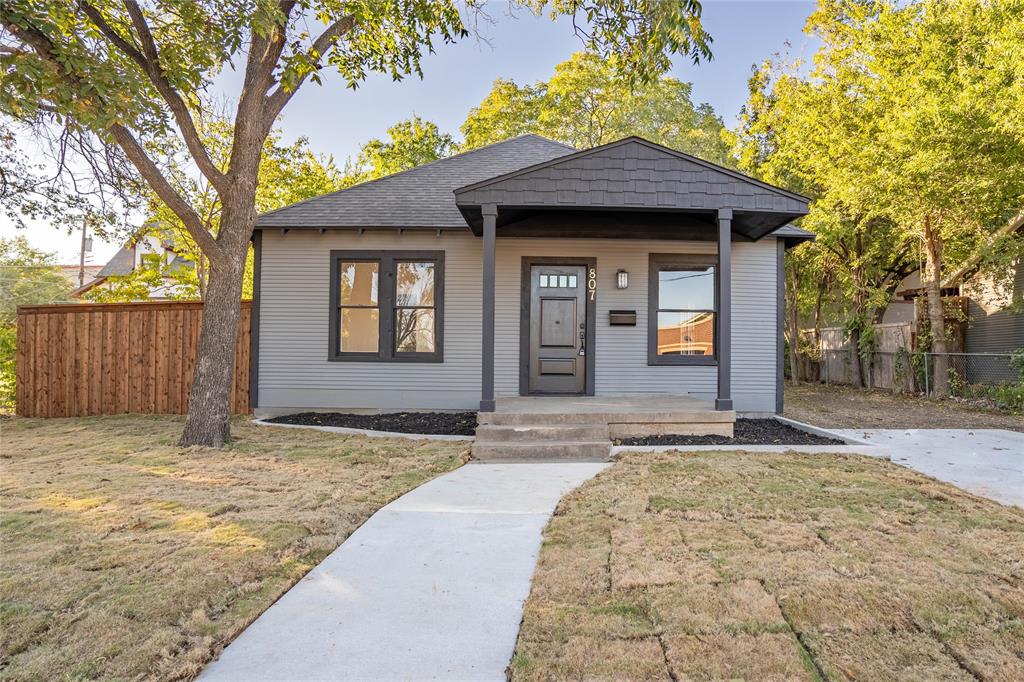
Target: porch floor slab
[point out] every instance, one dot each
(630, 408)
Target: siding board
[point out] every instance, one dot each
(294, 372)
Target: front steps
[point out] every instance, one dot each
(537, 442)
(581, 430)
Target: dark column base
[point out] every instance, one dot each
(488, 406)
(723, 404)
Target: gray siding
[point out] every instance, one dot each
(630, 175)
(294, 372)
(992, 326)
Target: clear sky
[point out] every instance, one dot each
(525, 48)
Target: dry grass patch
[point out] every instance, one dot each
(733, 565)
(126, 557)
(845, 407)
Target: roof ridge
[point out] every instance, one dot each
(422, 165)
(626, 140)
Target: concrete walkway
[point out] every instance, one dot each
(431, 587)
(986, 462)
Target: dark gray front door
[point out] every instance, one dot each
(558, 328)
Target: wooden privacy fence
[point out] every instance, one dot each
(84, 359)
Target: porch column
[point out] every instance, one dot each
(490, 215)
(723, 315)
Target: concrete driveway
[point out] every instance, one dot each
(431, 587)
(986, 462)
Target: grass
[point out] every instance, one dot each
(733, 565)
(844, 407)
(126, 557)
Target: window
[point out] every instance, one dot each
(681, 310)
(386, 306)
(555, 281)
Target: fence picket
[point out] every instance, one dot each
(89, 359)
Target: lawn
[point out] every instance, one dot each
(126, 557)
(732, 565)
(844, 407)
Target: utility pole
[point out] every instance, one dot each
(81, 258)
(86, 247)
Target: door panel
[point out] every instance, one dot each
(557, 322)
(558, 317)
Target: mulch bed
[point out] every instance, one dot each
(747, 432)
(431, 423)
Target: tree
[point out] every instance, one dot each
(134, 76)
(588, 102)
(28, 276)
(410, 143)
(907, 133)
(287, 173)
(952, 170)
(811, 136)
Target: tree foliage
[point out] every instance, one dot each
(28, 276)
(410, 143)
(907, 132)
(587, 103)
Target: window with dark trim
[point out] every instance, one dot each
(682, 291)
(387, 306)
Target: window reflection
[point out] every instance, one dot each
(683, 333)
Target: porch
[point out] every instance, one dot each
(629, 190)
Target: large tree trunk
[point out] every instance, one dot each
(209, 407)
(932, 283)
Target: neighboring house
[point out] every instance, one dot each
(145, 250)
(72, 272)
(526, 268)
(995, 318)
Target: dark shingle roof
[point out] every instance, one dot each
(123, 263)
(792, 231)
(792, 235)
(419, 197)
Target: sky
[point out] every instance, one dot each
(524, 48)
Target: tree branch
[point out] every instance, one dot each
(276, 100)
(151, 173)
(148, 59)
(42, 46)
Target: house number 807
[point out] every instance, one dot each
(592, 283)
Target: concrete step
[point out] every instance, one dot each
(534, 451)
(487, 433)
(648, 417)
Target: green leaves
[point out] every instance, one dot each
(586, 103)
(412, 142)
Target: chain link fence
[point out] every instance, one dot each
(967, 374)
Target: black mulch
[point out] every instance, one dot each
(747, 432)
(433, 423)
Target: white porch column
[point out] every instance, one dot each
(723, 315)
(490, 216)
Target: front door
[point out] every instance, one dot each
(558, 329)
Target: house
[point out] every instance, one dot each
(77, 275)
(142, 250)
(526, 269)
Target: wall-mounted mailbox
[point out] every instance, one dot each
(625, 318)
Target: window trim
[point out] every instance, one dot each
(655, 262)
(387, 289)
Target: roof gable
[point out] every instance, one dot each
(631, 173)
(420, 197)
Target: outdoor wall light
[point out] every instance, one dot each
(622, 279)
